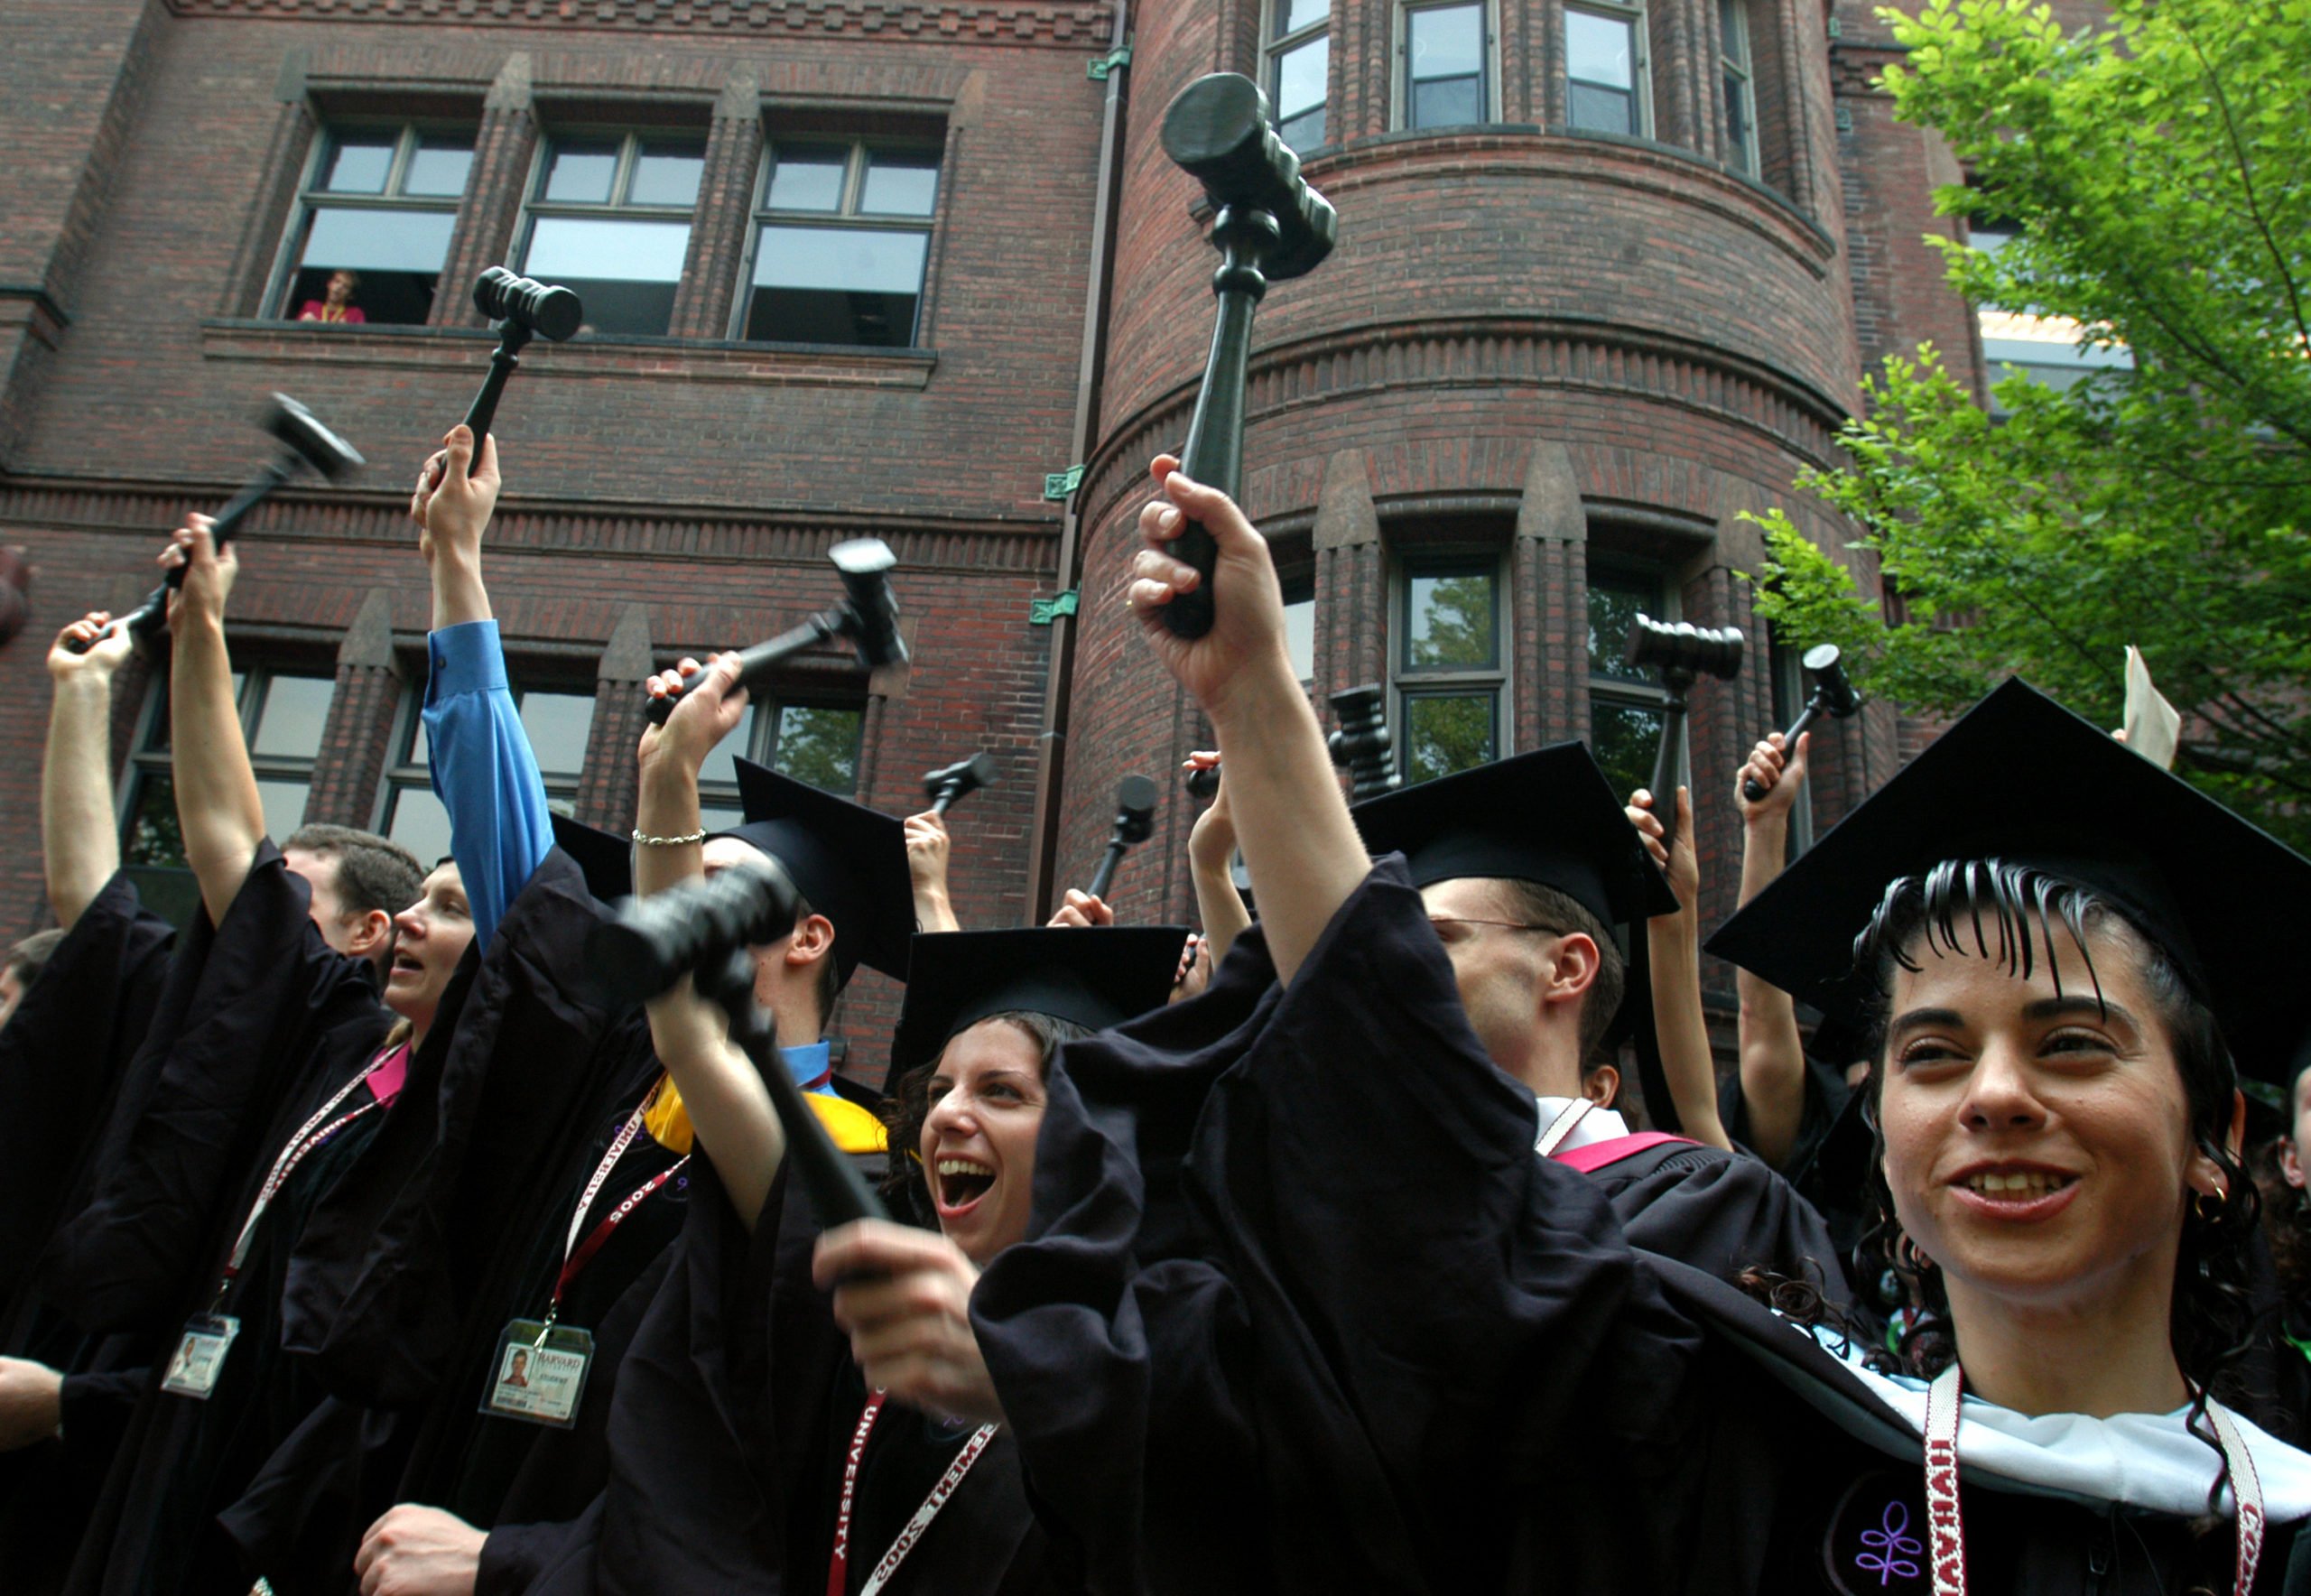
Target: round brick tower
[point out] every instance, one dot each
(1590, 303)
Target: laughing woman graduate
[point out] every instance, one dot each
(1405, 1353)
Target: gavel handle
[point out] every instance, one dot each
(151, 615)
(1214, 454)
(512, 338)
(1666, 760)
(1749, 787)
(756, 664)
(1105, 875)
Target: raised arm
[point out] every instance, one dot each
(1773, 1055)
(78, 833)
(730, 1106)
(1673, 943)
(926, 867)
(1297, 839)
(482, 768)
(219, 813)
(1212, 849)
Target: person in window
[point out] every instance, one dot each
(336, 304)
(1299, 1288)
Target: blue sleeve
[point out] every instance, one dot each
(500, 829)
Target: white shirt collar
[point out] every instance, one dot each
(1597, 1125)
(2145, 1460)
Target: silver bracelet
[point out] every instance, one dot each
(645, 840)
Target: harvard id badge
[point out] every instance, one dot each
(200, 1357)
(539, 1373)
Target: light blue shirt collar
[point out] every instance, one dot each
(810, 1066)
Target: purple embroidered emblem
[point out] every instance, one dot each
(1888, 1546)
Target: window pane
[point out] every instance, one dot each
(399, 239)
(666, 174)
(1449, 621)
(1599, 50)
(1292, 16)
(828, 286)
(1600, 110)
(820, 745)
(360, 164)
(557, 724)
(808, 177)
(721, 765)
(1300, 636)
(900, 184)
(1445, 734)
(1737, 120)
(624, 271)
(285, 806)
(1625, 740)
(419, 823)
(1303, 133)
(716, 818)
(1446, 41)
(1614, 604)
(439, 167)
(582, 173)
(154, 837)
(1732, 36)
(1447, 102)
(296, 709)
(1300, 74)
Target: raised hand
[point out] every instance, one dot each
(1244, 653)
(454, 498)
(209, 570)
(1776, 768)
(103, 657)
(1678, 862)
(1081, 911)
(708, 707)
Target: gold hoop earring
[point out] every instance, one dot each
(1907, 1257)
(2209, 1205)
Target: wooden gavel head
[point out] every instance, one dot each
(312, 443)
(547, 310)
(1219, 132)
(1682, 649)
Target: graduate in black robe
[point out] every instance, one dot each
(1300, 1294)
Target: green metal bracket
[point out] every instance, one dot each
(1058, 485)
(1042, 612)
(1097, 70)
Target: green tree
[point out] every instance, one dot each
(2158, 171)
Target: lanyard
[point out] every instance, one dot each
(307, 1140)
(838, 1563)
(577, 1253)
(1553, 1137)
(1948, 1529)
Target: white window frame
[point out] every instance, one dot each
(536, 207)
(1640, 60)
(312, 196)
(1275, 47)
(1400, 102)
(1741, 67)
(847, 215)
(1407, 682)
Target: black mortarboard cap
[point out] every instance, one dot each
(1097, 978)
(607, 861)
(849, 860)
(2021, 779)
(1549, 817)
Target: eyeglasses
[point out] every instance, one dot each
(1441, 919)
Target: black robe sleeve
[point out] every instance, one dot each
(270, 996)
(63, 1055)
(1327, 1359)
(1723, 1214)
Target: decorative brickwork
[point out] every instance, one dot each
(961, 22)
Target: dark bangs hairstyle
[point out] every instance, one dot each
(907, 1107)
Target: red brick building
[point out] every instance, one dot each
(1609, 275)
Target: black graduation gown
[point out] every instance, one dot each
(735, 1407)
(1722, 1213)
(1829, 1163)
(277, 1025)
(1300, 1310)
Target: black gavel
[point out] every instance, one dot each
(1136, 800)
(1679, 655)
(305, 444)
(1834, 696)
(868, 615)
(1361, 746)
(950, 785)
(706, 928)
(522, 308)
(1270, 227)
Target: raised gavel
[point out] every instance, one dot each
(707, 928)
(306, 444)
(1361, 746)
(868, 615)
(1135, 823)
(1679, 655)
(522, 308)
(950, 785)
(1834, 696)
(1270, 226)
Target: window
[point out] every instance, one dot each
(1624, 702)
(1604, 68)
(1451, 667)
(841, 242)
(610, 218)
(376, 216)
(1740, 94)
(817, 744)
(1300, 630)
(1299, 63)
(1446, 84)
(284, 717)
(557, 724)
(2043, 348)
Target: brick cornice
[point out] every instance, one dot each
(1854, 69)
(1084, 25)
(1494, 354)
(595, 532)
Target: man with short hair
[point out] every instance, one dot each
(360, 881)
